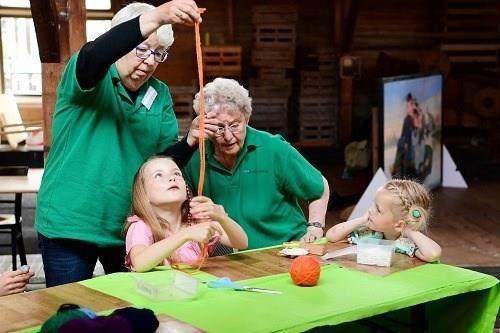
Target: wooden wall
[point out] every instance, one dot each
(230, 22)
(314, 29)
(407, 33)
(393, 27)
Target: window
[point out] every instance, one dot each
(21, 68)
(98, 4)
(15, 3)
(95, 28)
(21, 61)
(90, 4)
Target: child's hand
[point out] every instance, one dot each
(204, 210)
(364, 219)
(14, 282)
(203, 232)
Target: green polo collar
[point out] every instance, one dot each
(251, 143)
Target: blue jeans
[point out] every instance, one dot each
(69, 260)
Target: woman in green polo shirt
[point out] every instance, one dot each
(259, 178)
(110, 116)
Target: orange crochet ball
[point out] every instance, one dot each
(305, 271)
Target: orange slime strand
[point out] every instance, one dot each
(201, 126)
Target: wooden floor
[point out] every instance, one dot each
(465, 222)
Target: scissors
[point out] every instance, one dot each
(225, 282)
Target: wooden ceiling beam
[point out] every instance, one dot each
(46, 22)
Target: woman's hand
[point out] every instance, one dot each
(312, 234)
(210, 128)
(204, 209)
(14, 282)
(203, 232)
(179, 12)
(173, 12)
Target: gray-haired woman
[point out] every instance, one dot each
(110, 116)
(258, 177)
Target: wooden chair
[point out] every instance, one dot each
(15, 131)
(11, 224)
(11, 123)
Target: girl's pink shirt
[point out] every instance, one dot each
(139, 233)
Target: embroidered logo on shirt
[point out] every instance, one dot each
(255, 171)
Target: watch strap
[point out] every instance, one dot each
(315, 224)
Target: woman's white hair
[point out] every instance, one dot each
(164, 33)
(226, 94)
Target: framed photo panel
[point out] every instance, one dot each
(410, 128)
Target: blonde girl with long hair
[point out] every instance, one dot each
(400, 212)
(168, 227)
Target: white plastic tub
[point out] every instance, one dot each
(377, 252)
(176, 286)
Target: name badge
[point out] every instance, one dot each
(149, 97)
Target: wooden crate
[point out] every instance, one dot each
(318, 119)
(273, 129)
(222, 60)
(274, 14)
(322, 59)
(269, 88)
(280, 36)
(272, 73)
(269, 112)
(177, 90)
(271, 57)
(317, 105)
(183, 99)
(313, 133)
(328, 117)
(318, 83)
(184, 121)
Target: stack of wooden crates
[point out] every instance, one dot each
(317, 101)
(221, 61)
(273, 53)
(183, 106)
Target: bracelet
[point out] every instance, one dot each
(315, 224)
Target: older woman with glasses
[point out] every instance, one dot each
(259, 178)
(110, 116)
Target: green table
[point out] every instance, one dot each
(452, 300)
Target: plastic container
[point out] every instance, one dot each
(377, 252)
(176, 286)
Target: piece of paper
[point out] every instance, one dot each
(341, 252)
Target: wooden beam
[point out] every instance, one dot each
(66, 34)
(77, 23)
(46, 29)
(51, 73)
(345, 112)
(338, 19)
(349, 24)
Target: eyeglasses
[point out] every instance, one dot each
(233, 128)
(144, 53)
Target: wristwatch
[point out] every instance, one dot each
(315, 224)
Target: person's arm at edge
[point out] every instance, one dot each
(318, 207)
(427, 249)
(95, 57)
(340, 231)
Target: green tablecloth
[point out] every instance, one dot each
(460, 300)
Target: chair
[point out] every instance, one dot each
(11, 224)
(12, 127)
(11, 124)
